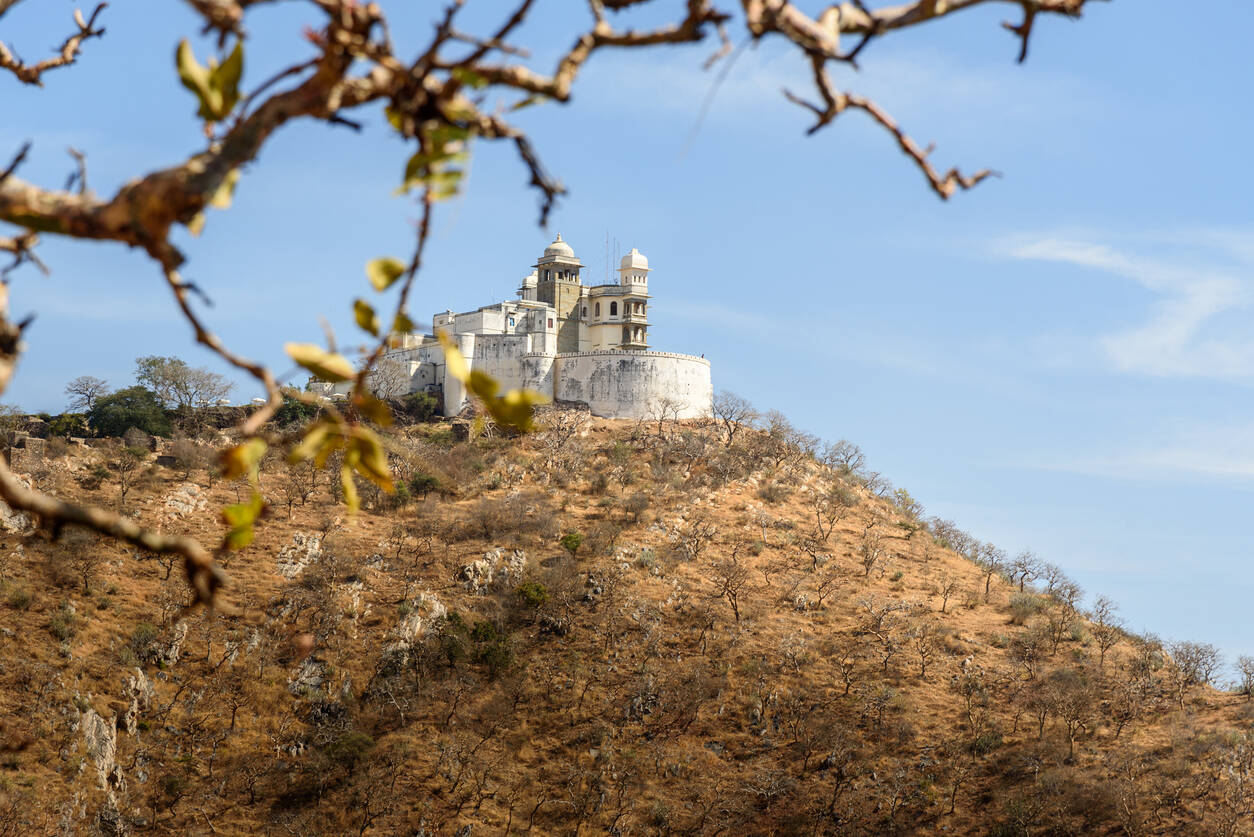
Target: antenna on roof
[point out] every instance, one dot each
(607, 255)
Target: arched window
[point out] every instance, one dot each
(613, 309)
(585, 312)
(598, 309)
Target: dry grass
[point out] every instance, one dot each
(630, 698)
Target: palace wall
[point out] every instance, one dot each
(618, 383)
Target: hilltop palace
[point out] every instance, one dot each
(573, 342)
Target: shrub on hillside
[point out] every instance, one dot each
(68, 424)
(422, 484)
(293, 413)
(571, 541)
(418, 407)
(1023, 606)
(189, 456)
(773, 492)
(94, 477)
(533, 594)
(134, 407)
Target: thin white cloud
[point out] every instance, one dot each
(717, 314)
(1208, 451)
(925, 88)
(1199, 318)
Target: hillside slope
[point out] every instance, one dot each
(741, 640)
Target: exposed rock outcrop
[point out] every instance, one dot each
(306, 548)
(497, 567)
(184, 500)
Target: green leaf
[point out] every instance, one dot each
(423, 166)
(383, 272)
(225, 79)
(371, 462)
(393, 117)
(316, 438)
(226, 190)
(402, 324)
(197, 225)
(327, 366)
(469, 77)
(373, 409)
(365, 316)
(535, 99)
(443, 185)
(242, 459)
(216, 87)
(482, 384)
(196, 79)
(240, 517)
(346, 480)
(516, 409)
(453, 360)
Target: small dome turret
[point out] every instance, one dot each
(527, 288)
(634, 260)
(559, 248)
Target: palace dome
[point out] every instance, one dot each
(559, 248)
(634, 260)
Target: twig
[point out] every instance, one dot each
(80, 174)
(32, 74)
(17, 161)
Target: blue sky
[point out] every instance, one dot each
(1060, 360)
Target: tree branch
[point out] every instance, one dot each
(32, 73)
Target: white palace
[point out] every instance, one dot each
(575, 343)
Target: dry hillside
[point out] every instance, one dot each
(750, 634)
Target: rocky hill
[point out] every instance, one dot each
(603, 627)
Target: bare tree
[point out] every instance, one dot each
(165, 560)
(664, 410)
(297, 482)
(1074, 701)
(558, 438)
(947, 587)
(871, 551)
(734, 414)
(991, 561)
(1063, 615)
(83, 392)
(923, 636)
(731, 579)
(85, 558)
(178, 385)
(1245, 670)
(844, 457)
(389, 379)
(1105, 627)
(1023, 568)
(127, 467)
(694, 536)
(1193, 664)
(830, 506)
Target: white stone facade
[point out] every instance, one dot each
(572, 342)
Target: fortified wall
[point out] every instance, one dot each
(630, 384)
